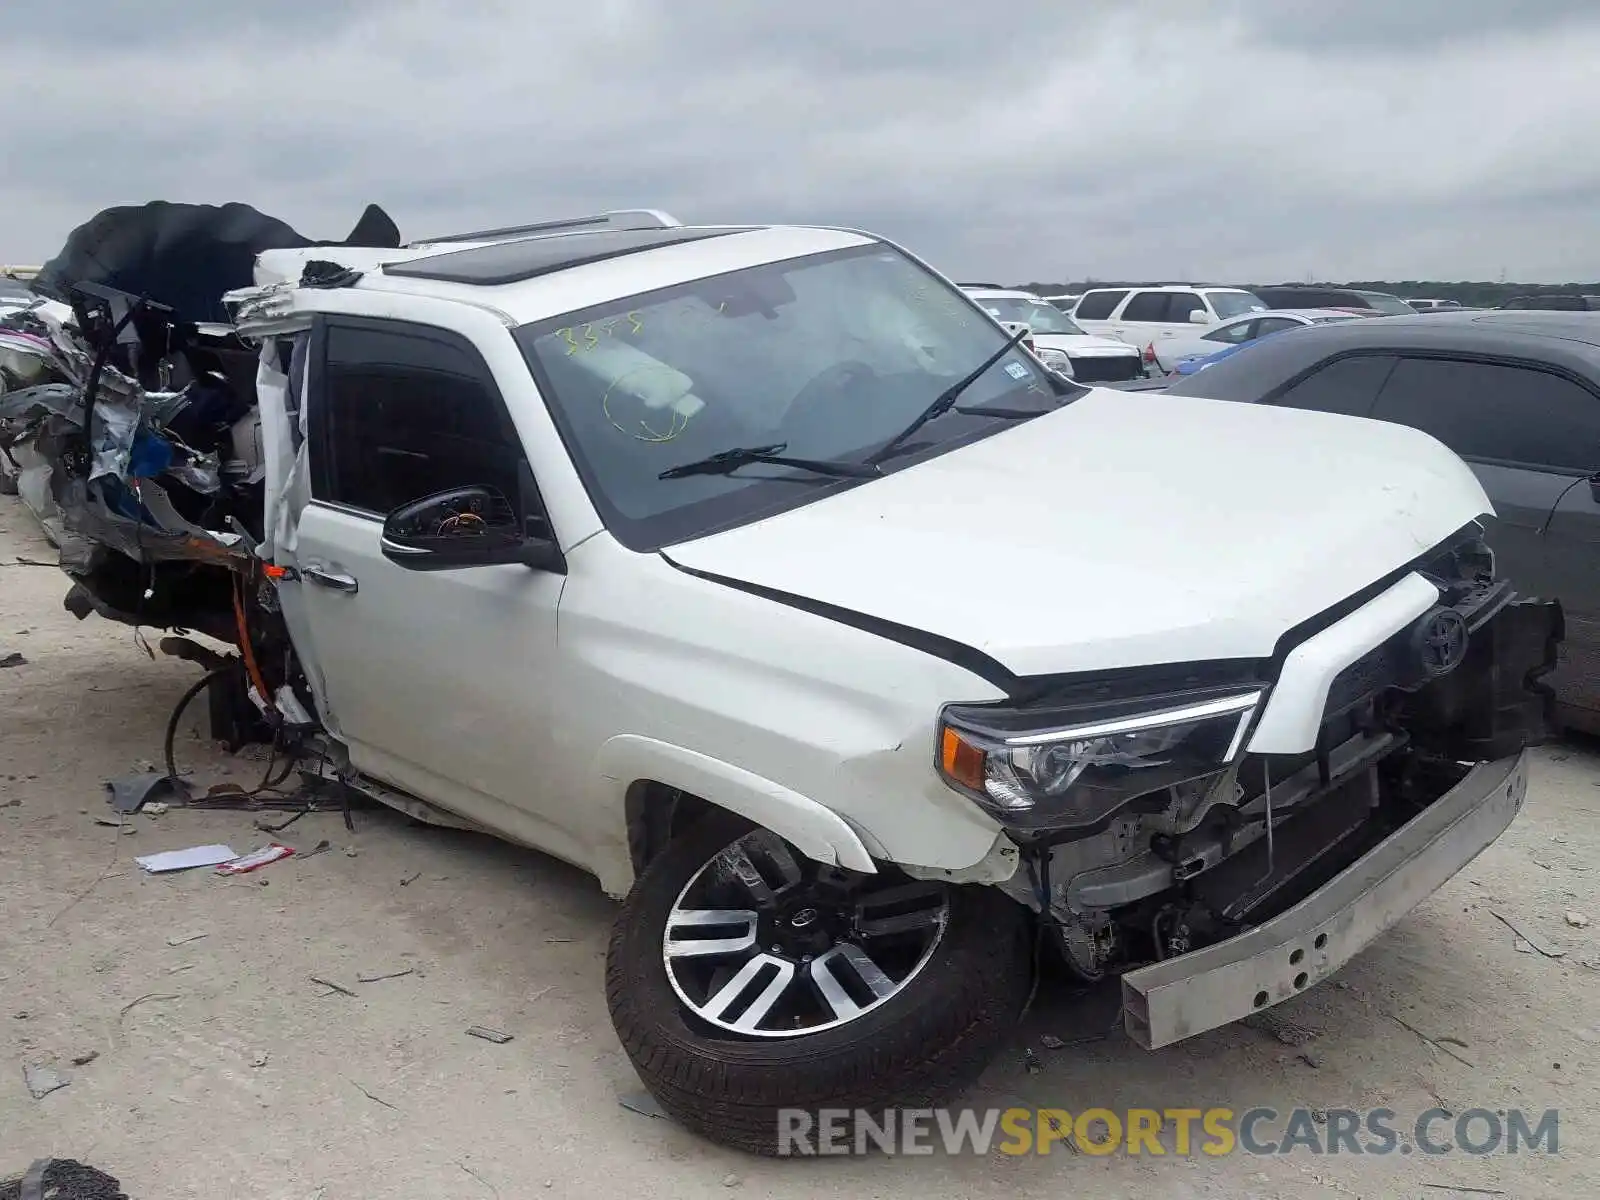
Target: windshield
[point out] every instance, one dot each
(829, 356)
(1235, 304)
(1040, 315)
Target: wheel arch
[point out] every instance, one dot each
(665, 786)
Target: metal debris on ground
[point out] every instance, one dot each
(84, 1059)
(1542, 947)
(145, 999)
(321, 847)
(643, 1103)
(331, 986)
(1280, 1028)
(1436, 1043)
(42, 1080)
(62, 1179)
(183, 939)
(258, 1060)
(130, 793)
(1577, 920)
(370, 1096)
(13, 660)
(386, 975)
(1050, 1041)
(410, 879)
(489, 1035)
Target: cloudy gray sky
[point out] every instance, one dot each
(1033, 139)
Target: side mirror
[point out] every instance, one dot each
(464, 527)
(1199, 316)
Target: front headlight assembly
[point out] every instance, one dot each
(1057, 360)
(1043, 770)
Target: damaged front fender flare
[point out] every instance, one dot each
(815, 830)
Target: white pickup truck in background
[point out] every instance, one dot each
(759, 572)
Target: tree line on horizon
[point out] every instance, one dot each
(1469, 294)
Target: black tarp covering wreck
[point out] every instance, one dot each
(128, 415)
(183, 257)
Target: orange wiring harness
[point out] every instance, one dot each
(245, 647)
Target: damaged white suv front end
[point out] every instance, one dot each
(759, 572)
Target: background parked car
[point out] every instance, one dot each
(1172, 352)
(1065, 301)
(1555, 302)
(1355, 299)
(1515, 394)
(1058, 340)
(1143, 315)
(1424, 304)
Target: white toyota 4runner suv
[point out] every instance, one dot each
(760, 572)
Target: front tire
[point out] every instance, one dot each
(911, 1034)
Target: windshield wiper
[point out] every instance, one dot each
(727, 461)
(945, 401)
(1008, 414)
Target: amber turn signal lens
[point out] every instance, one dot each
(961, 760)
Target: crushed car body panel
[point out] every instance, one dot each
(166, 463)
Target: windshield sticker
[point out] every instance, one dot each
(1016, 370)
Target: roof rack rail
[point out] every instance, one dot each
(622, 218)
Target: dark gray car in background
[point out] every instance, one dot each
(1515, 394)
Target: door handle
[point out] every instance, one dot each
(329, 579)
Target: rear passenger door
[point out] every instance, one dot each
(1533, 438)
(1150, 316)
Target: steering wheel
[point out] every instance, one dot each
(829, 383)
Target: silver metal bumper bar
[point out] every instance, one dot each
(1180, 997)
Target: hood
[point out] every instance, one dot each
(1083, 345)
(1126, 529)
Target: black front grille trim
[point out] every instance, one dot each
(1116, 368)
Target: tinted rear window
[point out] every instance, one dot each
(1098, 306)
(1304, 298)
(1496, 412)
(1147, 306)
(1392, 305)
(1345, 385)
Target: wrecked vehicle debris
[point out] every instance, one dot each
(1205, 697)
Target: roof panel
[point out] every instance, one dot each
(529, 258)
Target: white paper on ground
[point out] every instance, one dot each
(183, 860)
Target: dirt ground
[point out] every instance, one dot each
(222, 1069)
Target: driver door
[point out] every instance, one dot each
(439, 682)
